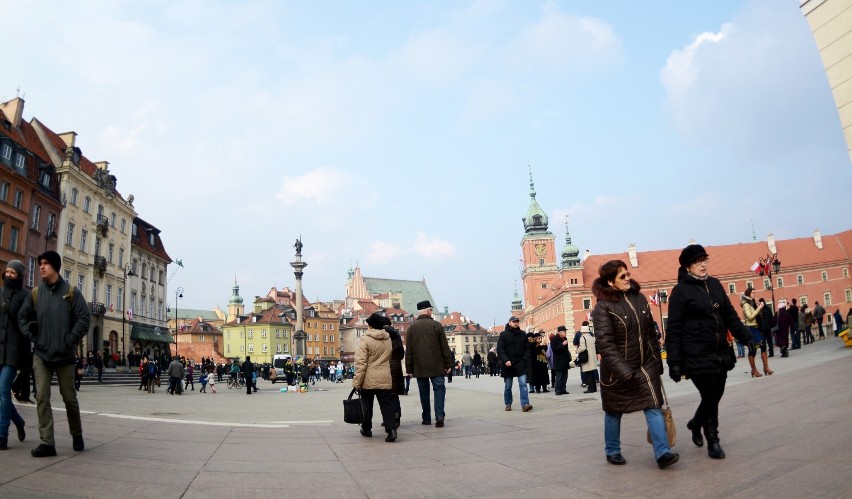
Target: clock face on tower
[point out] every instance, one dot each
(540, 249)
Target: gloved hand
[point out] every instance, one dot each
(674, 372)
(33, 329)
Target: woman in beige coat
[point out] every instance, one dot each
(587, 344)
(373, 375)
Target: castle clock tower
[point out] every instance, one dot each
(538, 250)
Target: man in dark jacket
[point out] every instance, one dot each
(512, 355)
(819, 315)
(765, 321)
(428, 358)
(55, 318)
(492, 362)
(248, 370)
(14, 348)
(561, 359)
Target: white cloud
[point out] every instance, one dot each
(321, 186)
(564, 41)
(750, 87)
(430, 247)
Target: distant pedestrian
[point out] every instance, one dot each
(590, 367)
(819, 315)
(175, 371)
(99, 365)
(428, 359)
(477, 363)
(54, 318)
(190, 375)
(561, 358)
(538, 376)
(766, 322)
(513, 355)
(492, 362)
(203, 381)
(248, 372)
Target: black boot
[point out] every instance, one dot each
(697, 439)
(593, 387)
(711, 431)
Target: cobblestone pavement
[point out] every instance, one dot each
(785, 435)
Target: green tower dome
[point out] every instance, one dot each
(536, 220)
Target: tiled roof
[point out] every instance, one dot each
(141, 239)
(197, 326)
(191, 313)
(728, 260)
(412, 291)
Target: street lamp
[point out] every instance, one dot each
(178, 294)
(769, 266)
(662, 297)
(128, 272)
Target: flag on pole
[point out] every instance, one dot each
(655, 298)
(757, 268)
(129, 314)
(110, 307)
(588, 316)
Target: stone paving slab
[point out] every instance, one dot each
(785, 435)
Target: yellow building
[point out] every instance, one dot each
(259, 334)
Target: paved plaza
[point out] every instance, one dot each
(787, 435)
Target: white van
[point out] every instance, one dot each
(278, 362)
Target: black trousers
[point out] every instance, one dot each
(561, 379)
(388, 404)
(711, 387)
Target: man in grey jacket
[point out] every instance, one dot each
(55, 318)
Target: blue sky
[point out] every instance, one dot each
(398, 135)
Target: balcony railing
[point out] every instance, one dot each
(100, 264)
(97, 308)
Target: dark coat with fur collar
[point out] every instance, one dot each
(630, 353)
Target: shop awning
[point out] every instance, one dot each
(149, 333)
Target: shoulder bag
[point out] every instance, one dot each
(583, 357)
(353, 409)
(671, 431)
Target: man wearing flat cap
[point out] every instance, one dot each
(55, 317)
(428, 359)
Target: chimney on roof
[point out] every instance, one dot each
(770, 242)
(102, 165)
(14, 109)
(586, 254)
(818, 239)
(631, 253)
(70, 138)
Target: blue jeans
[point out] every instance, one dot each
(440, 392)
(7, 408)
(522, 387)
(656, 425)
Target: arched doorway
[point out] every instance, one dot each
(113, 343)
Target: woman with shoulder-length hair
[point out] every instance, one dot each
(700, 314)
(630, 361)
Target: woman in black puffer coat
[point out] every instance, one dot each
(700, 315)
(630, 360)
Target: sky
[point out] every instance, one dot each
(399, 136)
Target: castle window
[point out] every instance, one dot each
(587, 303)
(800, 279)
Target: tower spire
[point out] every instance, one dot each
(536, 220)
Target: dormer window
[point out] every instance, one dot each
(6, 153)
(20, 162)
(44, 179)
(536, 219)
(151, 240)
(133, 230)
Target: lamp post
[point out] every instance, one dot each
(128, 272)
(178, 294)
(298, 267)
(769, 266)
(662, 297)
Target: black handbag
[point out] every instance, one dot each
(582, 357)
(353, 409)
